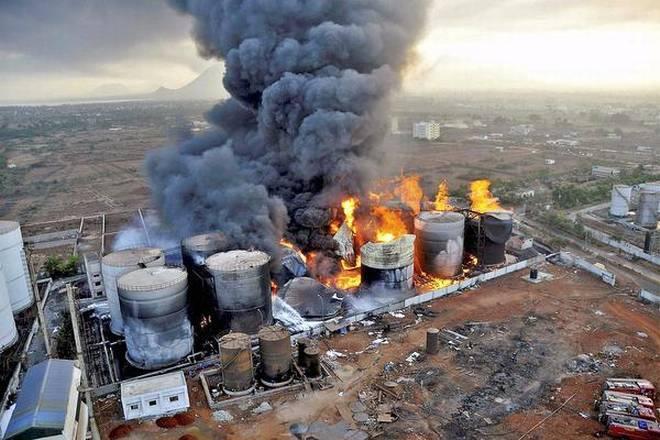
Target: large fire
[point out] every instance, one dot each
(482, 199)
(385, 216)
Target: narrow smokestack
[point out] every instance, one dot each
(310, 82)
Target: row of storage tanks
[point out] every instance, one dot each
(437, 248)
(155, 306)
(645, 196)
(16, 293)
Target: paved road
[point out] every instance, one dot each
(649, 279)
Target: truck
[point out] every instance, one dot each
(632, 428)
(610, 409)
(618, 397)
(640, 387)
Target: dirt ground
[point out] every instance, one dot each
(529, 348)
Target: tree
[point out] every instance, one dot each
(57, 267)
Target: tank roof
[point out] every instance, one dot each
(273, 333)
(440, 217)
(132, 257)
(152, 278)
(8, 226)
(205, 241)
(397, 253)
(237, 261)
(235, 341)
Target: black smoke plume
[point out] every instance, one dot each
(310, 82)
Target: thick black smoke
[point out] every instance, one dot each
(310, 82)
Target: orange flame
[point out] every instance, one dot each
(274, 287)
(389, 225)
(349, 206)
(482, 199)
(442, 198)
(410, 192)
(347, 280)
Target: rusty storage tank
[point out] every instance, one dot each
(116, 264)
(647, 211)
(243, 301)
(486, 236)
(276, 360)
(8, 332)
(14, 266)
(154, 304)
(439, 243)
(195, 250)
(389, 265)
(236, 358)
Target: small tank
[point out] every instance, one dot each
(389, 265)
(439, 243)
(116, 264)
(236, 358)
(243, 297)
(8, 332)
(14, 263)
(276, 361)
(621, 196)
(154, 305)
(647, 211)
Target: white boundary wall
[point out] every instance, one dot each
(623, 246)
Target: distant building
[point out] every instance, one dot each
(563, 143)
(550, 161)
(604, 172)
(526, 194)
(428, 130)
(94, 277)
(154, 396)
(522, 130)
(394, 125)
(48, 405)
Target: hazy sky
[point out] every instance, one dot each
(56, 48)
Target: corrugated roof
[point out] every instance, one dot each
(43, 399)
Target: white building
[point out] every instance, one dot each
(428, 130)
(601, 171)
(154, 396)
(550, 161)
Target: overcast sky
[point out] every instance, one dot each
(55, 48)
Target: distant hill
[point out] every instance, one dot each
(208, 85)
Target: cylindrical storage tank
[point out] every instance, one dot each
(8, 333)
(647, 211)
(154, 304)
(15, 269)
(439, 243)
(275, 349)
(389, 265)
(195, 250)
(243, 300)
(620, 204)
(116, 264)
(236, 358)
(313, 366)
(486, 237)
(653, 187)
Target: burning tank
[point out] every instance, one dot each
(486, 236)
(242, 287)
(195, 250)
(439, 243)
(311, 299)
(390, 265)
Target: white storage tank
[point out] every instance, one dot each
(8, 333)
(154, 305)
(621, 195)
(15, 269)
(439, 243)
(118, 263)
(651, 187)
(647, 211)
